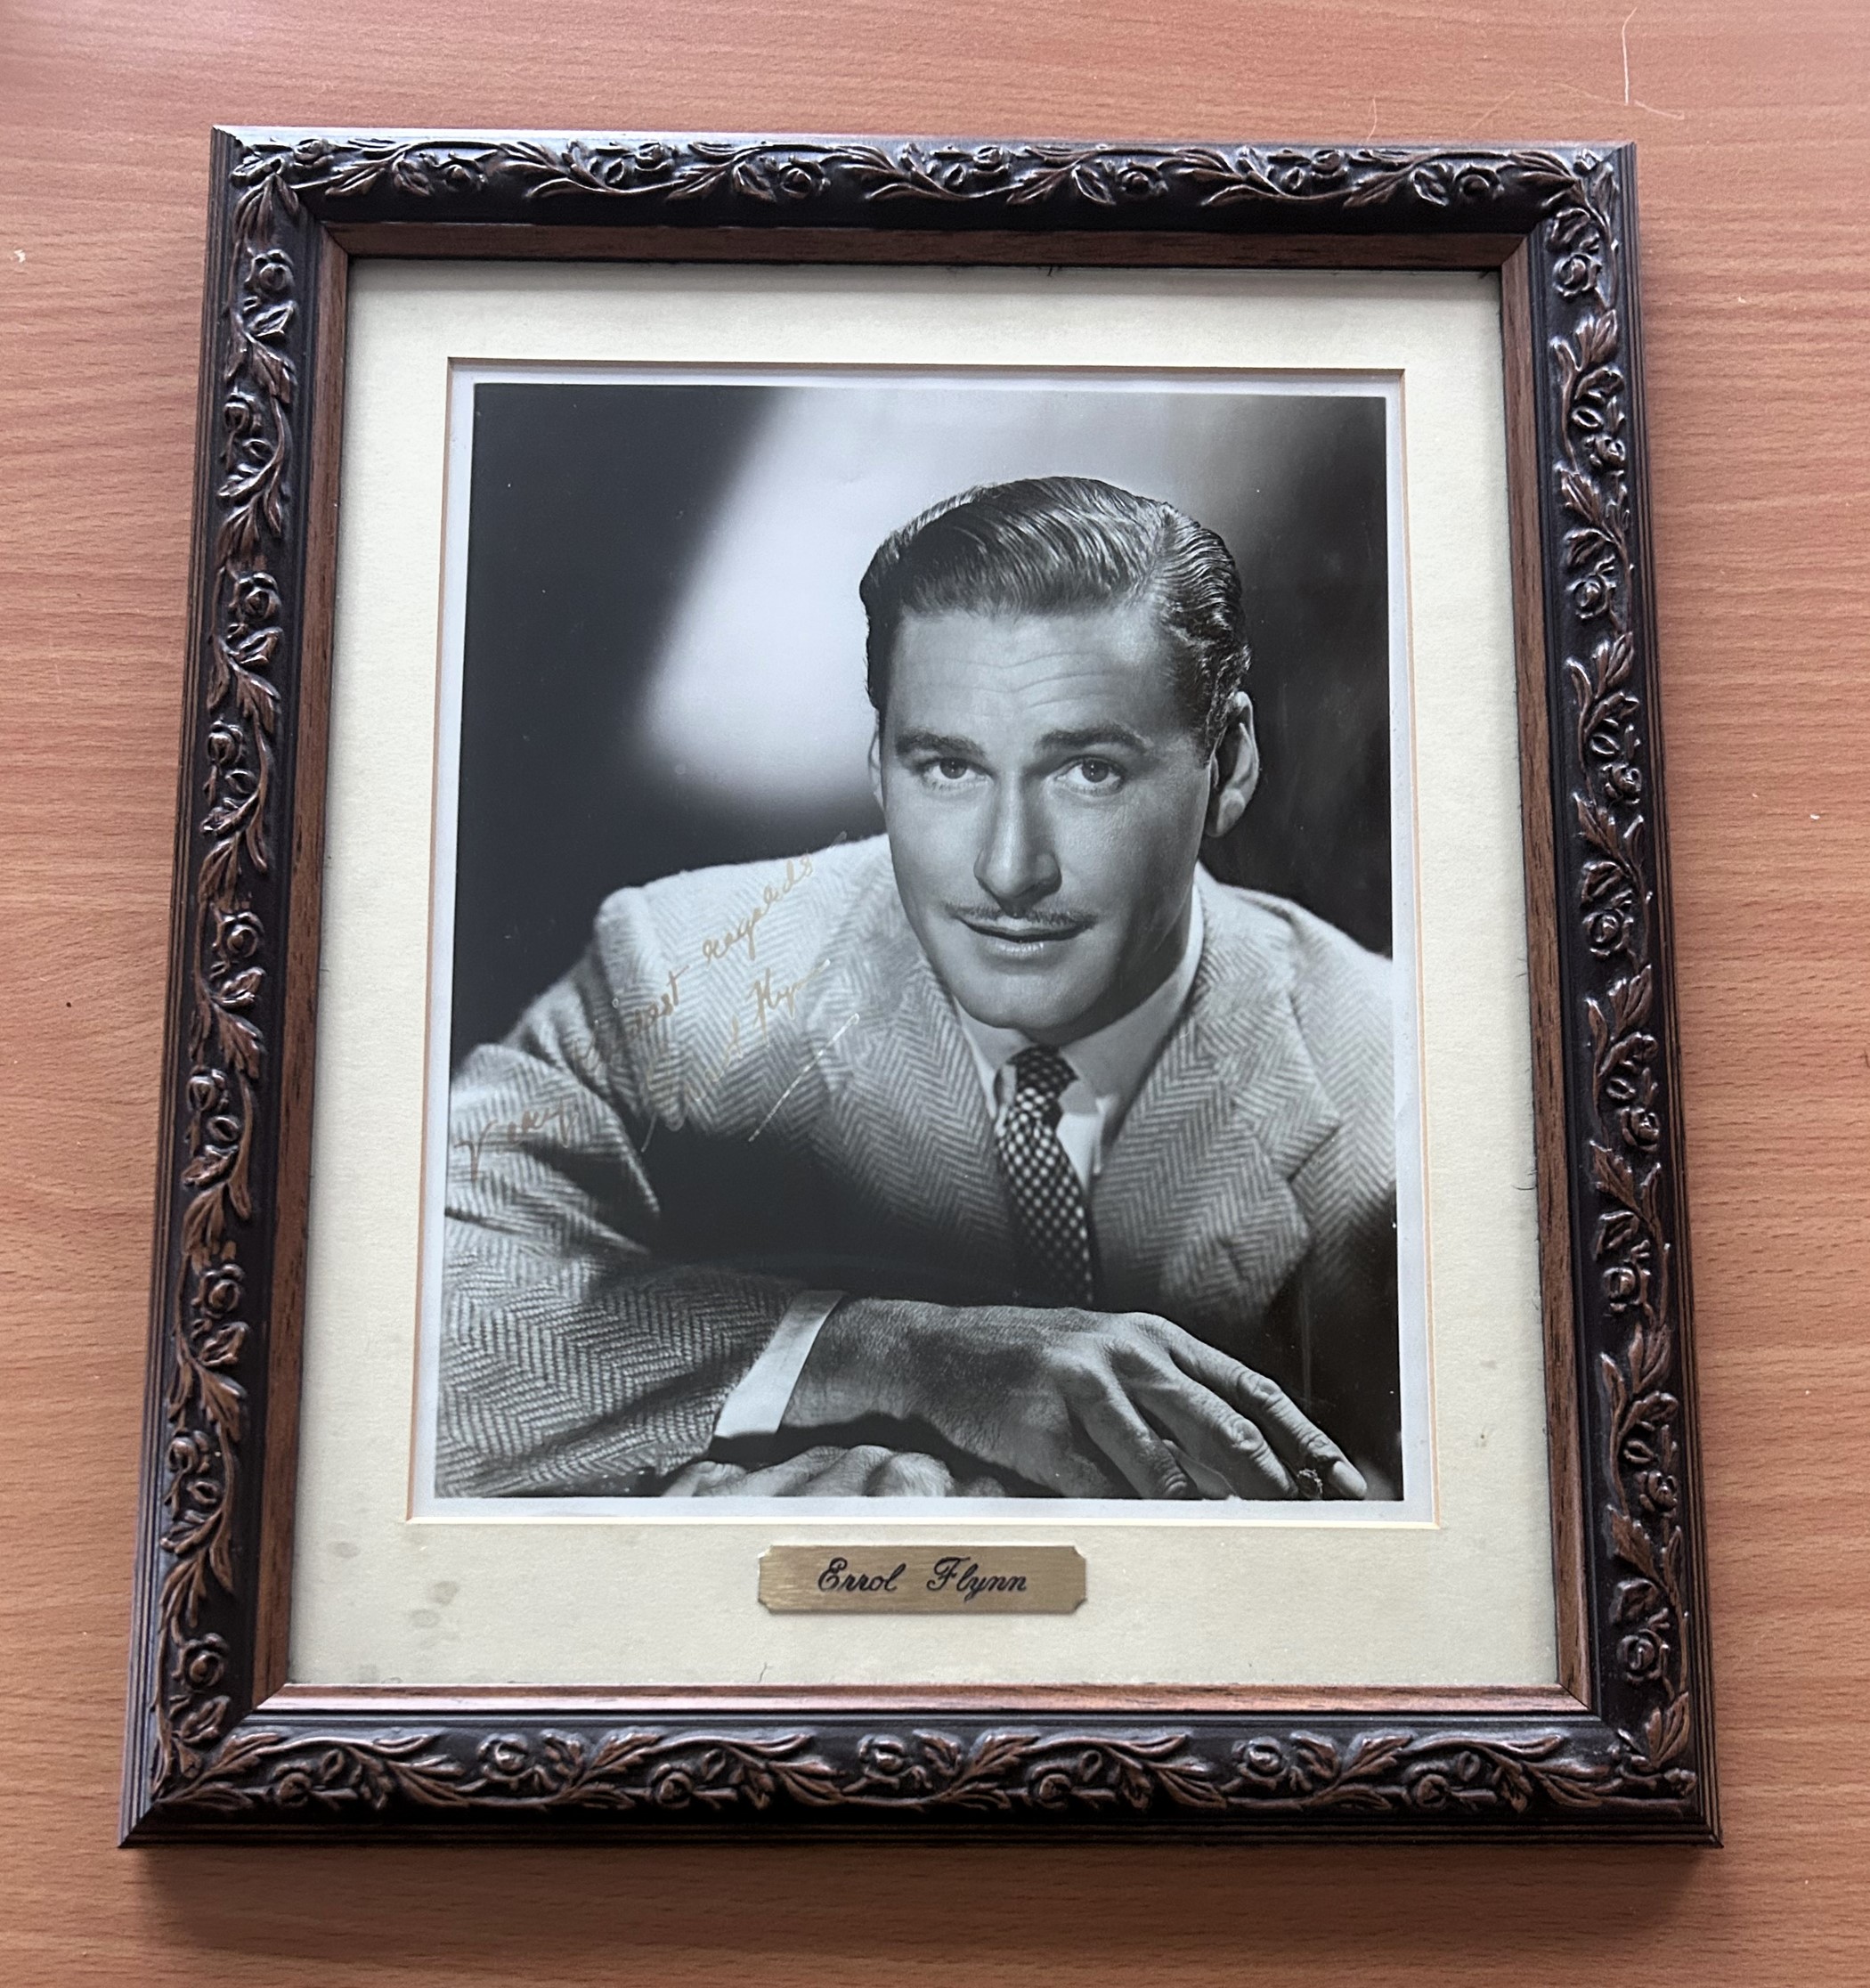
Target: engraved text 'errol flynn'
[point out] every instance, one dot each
(921, 1580)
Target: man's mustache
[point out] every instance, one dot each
(1023, 922)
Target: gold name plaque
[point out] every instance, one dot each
(921, 1580)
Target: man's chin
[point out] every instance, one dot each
(1002, 1001)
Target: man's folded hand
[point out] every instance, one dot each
(1089, 1404)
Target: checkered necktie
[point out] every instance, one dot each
(1050, 1219)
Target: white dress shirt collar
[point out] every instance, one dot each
(1110, 1064)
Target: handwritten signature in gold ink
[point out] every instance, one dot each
(717, 948)
(652, 1014)
(643, 1016)
(556, 1119)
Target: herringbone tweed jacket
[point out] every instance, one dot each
(753, 1085)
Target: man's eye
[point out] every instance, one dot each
(1096, 773)
(946, 772)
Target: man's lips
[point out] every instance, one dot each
(1012, 932)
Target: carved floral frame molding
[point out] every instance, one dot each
(217, 1741)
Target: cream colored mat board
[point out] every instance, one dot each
(1461, 1591)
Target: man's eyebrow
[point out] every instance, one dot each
(944, 744)
(1084, 737)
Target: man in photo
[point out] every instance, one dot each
(1005, 1154)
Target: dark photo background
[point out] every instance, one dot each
(664, 649)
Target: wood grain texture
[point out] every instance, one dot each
(1755, 180)
(1543, 986)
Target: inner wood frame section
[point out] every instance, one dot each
(1506, 254)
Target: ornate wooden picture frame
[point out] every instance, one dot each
(219, 1742)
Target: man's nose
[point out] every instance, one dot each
(1016, 865)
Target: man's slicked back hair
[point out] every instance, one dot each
(1055, 545)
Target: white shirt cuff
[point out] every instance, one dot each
(758, 1406)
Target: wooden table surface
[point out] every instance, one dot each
(1755, 181)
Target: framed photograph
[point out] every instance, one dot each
(921, 1062)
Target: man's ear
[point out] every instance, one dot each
(1235, 769)
(876, 761)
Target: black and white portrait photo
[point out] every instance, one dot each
(921, 968)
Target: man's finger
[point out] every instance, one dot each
(800, 1476)
(1210, 1430)
(1145, 1462)
(1210, 1483)
(706, 1478)
(1301, 1444)
(1074, 1476)
(910, 1474)
(846, 1474)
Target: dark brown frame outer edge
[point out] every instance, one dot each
(218, 1742)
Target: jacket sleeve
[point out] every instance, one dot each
(573, 1360)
